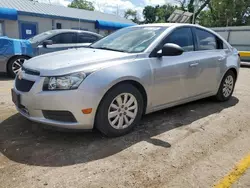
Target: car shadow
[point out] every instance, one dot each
(5, 76)
(29, 143)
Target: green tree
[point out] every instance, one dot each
(223, 13)
(132, 15)
(163, 12)
(129, 14)
(82, 4)
(158, 14)
(189, 5)
(149, 14)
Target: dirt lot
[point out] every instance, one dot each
(193, 145)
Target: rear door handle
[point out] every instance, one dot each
(194, 65)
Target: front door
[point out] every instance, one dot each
(175, 77)
(61, 41)
(28, 30)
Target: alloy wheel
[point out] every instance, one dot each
(228, 86)
(17, 65)
(122, 111)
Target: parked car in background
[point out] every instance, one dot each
(134, 71)
(13, 52)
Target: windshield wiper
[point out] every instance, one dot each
(105, 48)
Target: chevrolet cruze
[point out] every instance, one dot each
(13, 52)
(134, 71)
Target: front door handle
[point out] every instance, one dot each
(194, 65)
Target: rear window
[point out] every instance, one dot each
(86, 38)
(206, 40)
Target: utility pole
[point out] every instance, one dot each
(117, 10)
(79, 21)
(195, 8)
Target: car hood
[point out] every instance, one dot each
(74, 60)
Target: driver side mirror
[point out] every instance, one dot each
(47, 42)
(170, 49)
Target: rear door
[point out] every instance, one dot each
(60, 41)
(211, 55)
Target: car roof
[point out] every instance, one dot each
(159, 25)
(57, 31)
(171, 25)
(174, 25)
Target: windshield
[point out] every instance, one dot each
(130, 39)
(40, 37)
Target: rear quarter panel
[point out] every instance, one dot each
(231, 62)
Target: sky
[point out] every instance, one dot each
(116, 6)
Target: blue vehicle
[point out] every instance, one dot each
(13, 52)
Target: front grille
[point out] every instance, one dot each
(31, 72)
(63, 116)
(24, 85)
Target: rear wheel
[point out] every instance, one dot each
(226, 87)
(120, 110)
(15, 64)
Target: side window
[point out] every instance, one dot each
(182, 37)
(64, 38)
(206, 40)
(56, 39)
(219, 43)
(86, 38)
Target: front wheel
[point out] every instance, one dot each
(119, 111)
(226, 87)
(15, 64)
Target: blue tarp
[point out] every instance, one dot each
(8, 13)
(10, 46)
(110, 25)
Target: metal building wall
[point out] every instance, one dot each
(238, 37)
(12, 28)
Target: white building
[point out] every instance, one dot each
(26, 18)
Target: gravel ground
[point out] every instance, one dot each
(192, 145)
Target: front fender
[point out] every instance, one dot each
(99, 82)
(11, 47)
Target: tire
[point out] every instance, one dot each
(14, 64)
(226, 87)
(111, 126)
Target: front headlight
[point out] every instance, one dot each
(67, 82)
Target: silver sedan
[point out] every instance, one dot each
(134, 71)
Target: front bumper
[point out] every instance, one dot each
(35, 101)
